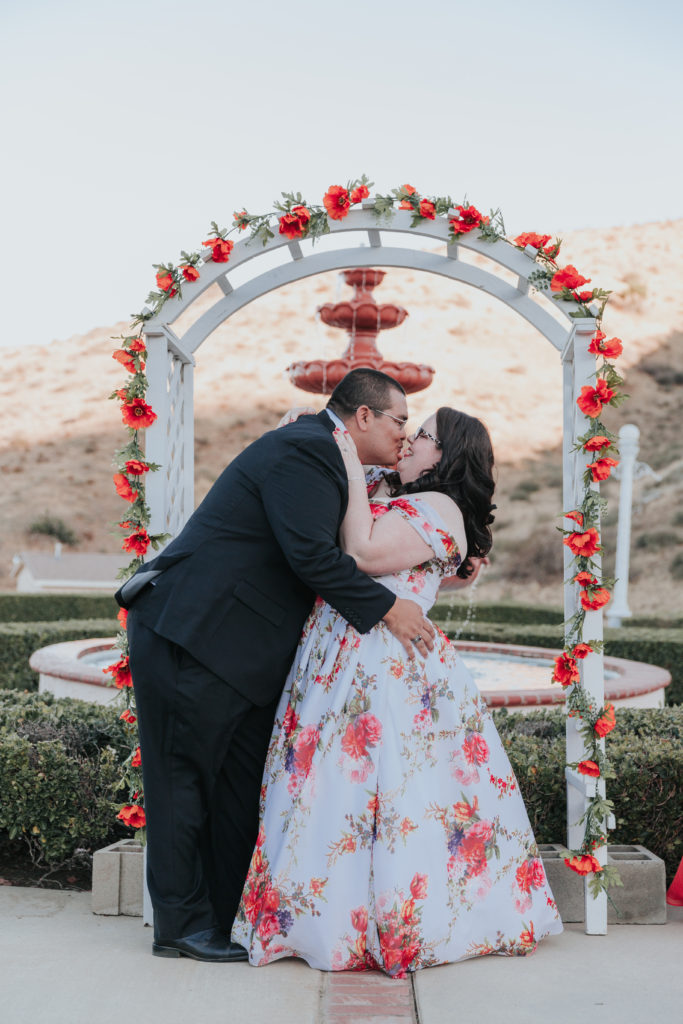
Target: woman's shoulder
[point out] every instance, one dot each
(441, 503)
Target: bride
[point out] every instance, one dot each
(393, 834)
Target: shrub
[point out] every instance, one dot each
(523, 489)
(18, 641)
(676, 567)
(55, 607)
(500, 611)
(658, 539)
(53, 526)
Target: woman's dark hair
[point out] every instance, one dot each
(465, 473)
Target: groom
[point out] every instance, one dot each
(213, 626)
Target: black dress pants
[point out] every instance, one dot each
(203, 748)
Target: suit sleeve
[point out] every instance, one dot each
(302, 497)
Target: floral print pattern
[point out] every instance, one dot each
(393, 835)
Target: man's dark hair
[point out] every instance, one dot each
(363, 387)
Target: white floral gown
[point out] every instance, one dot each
(393, 834)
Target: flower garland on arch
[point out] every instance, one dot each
(296, 219)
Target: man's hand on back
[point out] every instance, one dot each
(406, 621)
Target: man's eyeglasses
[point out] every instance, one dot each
(396, 419)
(421, 432)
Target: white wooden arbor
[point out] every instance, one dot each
(170, 362)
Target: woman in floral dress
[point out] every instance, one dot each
(393, 834)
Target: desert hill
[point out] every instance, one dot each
(58, 432)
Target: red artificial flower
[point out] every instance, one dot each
(128, 716)
(359, 193)
(589, 768)
(576, 516)
(120, 672)
(165, 282)
(136, 468)
(137, 345)
(583, 296)
(137, 542)
(220, 249)
(137, 759)
(132, 815)
(290, 226)
(607, 721)
(427, 209)
(405, 204)
(594, 599)
(123, 488)
(567, 278)
(584, 864)
(336, 201)
(190, 273)
(596, 443)
(241, 220)
(601, 468)
(531, 238)
(591, 400)
(418, 887)
(609, 349)
(122, 394)
(123, 618)
(566, 670)
(581, 651)
(583, 544)
(137, 414)
(469, 219)
(585, 579)
(126, 359)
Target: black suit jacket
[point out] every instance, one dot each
(237, 583)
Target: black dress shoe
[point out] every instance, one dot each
(210, 946)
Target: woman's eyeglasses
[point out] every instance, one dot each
(421, 432)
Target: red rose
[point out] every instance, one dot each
(472, 849)
(132, 815)
(596, 443)
(583, 297)
(190, 273)
(594, 599)
(481, 830)
(290, 722)
(601, 468)
(585, 578)
(359, 193)
(583, 544)
(584, 864)
(271, 900)
(122, 617)
(137, 543)
(567, 278)
(536, 873)
(267, 927)
(576, 516)
(137, 345)
(126, 359)
(137, 759)
(336, 202)
(607, 720)
(427, 209)
(418, 886)
(566, 670)
(475, 749)
(581, 651)
(531, 238)
(469, 218)
(137, 414)
(120, 672)
(165, 282)
(522, 877)
(304, 748)
(589, 768)
(123, 488)
(359, 919)
(136, 468)
(591, 400)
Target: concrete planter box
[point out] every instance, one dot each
(642, 900)
(117, 879)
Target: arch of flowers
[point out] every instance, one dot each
(155, 478)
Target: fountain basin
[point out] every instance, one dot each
(508, 675)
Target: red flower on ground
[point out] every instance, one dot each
(123, 618)
(601, 468)
(136, 468)
(418, 886)
(569, 277)
(137, 345)
(583, 544)
(594, 599)
(359, 193)
(589, 768)
(586, 579)
(137, 414)
(566, 670)
(591, 400)
(120, 672)
(132, 815)
(165, 282)
(469, 218)
(576, 516)
(607, 721)
(137, 759)
(531, 238)
(137, 542)
(123, 488)
(336, 201)
(121, 355)
(584, 864)
(596, 443)
(581, 651)
(190, 273)
(427, 209)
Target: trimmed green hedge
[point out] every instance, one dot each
(56, 607)
(663, 647)
(534, 614)
(647, 753)
(18, 641)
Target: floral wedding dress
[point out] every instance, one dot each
(393, 834)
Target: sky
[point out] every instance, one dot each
(128, 127)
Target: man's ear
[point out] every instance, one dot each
(362, 417)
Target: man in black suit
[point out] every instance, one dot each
(213, 626)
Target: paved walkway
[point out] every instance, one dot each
(61, 964)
